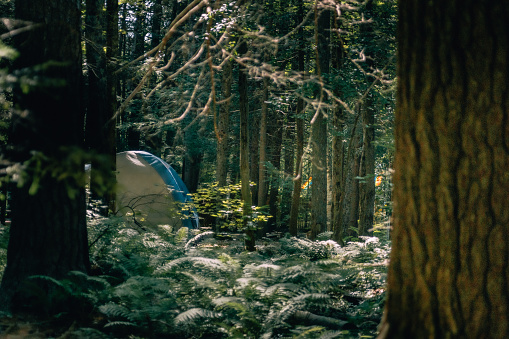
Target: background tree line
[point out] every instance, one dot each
(181, 87)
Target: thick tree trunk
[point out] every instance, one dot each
(319, 130)
(48, 234)
(449, 270)
(223, 124)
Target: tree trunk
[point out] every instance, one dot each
(262, 176)
(319, 129)
(297, 183)
(299, 132)
(367, 167)
(276, 130)
(100, 125)
(448, 276)
(350, 198)
(223, 124)
(191, 168)
(338, 148)
(48, 234)
(244, 155)
(254, 156)
(156, 23)
(367, 171)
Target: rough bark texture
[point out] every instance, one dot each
(338, 149)
(48, 234)
(244, 154)
(367, 166)
(367, 170)
(276, 141)
(299, 131)
(449, 271)
(223, 123)
(297, 183)
(262, 176)
(319, 132)
(254, 153)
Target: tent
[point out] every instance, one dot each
(150, 193)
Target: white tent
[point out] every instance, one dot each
(151, 193)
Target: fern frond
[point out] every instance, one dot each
(312, 297)
(120, 323)
(334, 334)
(114, 310)
(208, 263)
(224, 300)
(48, 279)
(281, 289)
(194, 314)
(101, 282)
(199, 238)
(201, 281)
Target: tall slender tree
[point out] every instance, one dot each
(48, 234)
(100, 125)
(319, 125)
(367, 165)
(223, 119)
(448, 275)
(299, 128)
(244, 152)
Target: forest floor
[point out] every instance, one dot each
(154, 286)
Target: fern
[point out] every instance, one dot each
(119, 323)
(192, 315)
(206, 263)
(114, 310)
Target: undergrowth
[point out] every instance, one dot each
(148, 285)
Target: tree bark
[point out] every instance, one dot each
(100, 125)
(262, 176)
(254, 154)
(276, 131)
(299, 132)
(367, 171)
(244, 155)
(338, 148)
(449, 270)
(297, 182)
(319, 129)
(223, 123)
(48, 234)
(367, 166)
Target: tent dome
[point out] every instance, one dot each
(151, 192)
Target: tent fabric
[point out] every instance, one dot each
(148, 189)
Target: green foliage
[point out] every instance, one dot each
(154, 285)
(151, 285)
(223, 206)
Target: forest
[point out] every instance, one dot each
(323, 168)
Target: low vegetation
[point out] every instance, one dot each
(186, 285)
